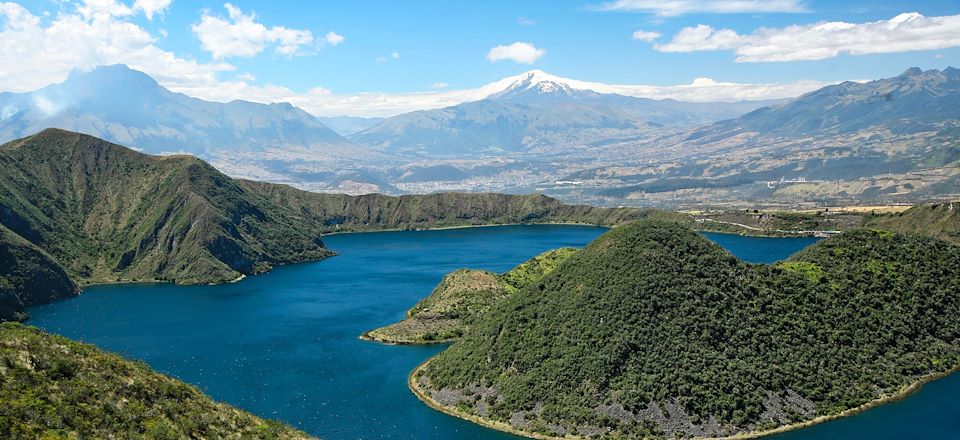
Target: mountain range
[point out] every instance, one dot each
(893, 139)
(128, 107)
(538, 111)
(884, 141)
(529, 115)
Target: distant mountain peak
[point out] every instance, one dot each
(538, 83)
(116, 74)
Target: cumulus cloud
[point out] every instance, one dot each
(905, 32)
(151, 7)
(681, 7)
(701, 37)
(240, 35)
(39, 52)
(332, 38)
(519, 52)
(647, 36)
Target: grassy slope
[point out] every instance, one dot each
(462, 297)
(653, 330)
(940, 220)
(51, 387)
(28, 276)
(107, 213)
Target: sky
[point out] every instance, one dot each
(379, 58)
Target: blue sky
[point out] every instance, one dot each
(407, 46)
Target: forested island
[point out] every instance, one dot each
(654, 331)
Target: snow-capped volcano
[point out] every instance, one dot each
(537, 82)
(536, 109)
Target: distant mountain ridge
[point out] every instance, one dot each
(891, 140)
(126, 106)
(538, 110)
(912, 101)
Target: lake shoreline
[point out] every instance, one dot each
(366, 337)
(446, 228)
(504, 427)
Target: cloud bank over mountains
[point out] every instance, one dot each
(41, 49)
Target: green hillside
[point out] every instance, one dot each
(54, 388)
(370, 212)
(653, 330)
(107, 213)
(938, 220)
(28, 276)
(462, 297)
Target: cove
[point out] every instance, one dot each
(285, 345)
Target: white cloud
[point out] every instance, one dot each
(905, 32)
(519, 52)
(647, 36)
(524, 21)
(383, 60)
(681, 7)
(439, 85)
(151, 7)
(242, 36)
(701, 37)
(332, 38)
(37, 52)
(103, 9)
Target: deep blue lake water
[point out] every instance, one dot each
(285, 345)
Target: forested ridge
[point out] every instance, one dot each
(54, 388)
(653, 330)
(462, 297)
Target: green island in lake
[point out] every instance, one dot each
(654, 331)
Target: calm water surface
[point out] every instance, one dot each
(284, 345)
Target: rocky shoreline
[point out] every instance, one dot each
(415, 387)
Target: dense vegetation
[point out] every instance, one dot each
(652, 330)
(105, 213)
(340, 212)
(52, 388)
(28, 276)
(462, 297)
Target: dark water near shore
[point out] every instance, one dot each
(284, 345)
